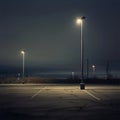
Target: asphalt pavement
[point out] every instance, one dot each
(59, 102)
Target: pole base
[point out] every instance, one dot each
(82, 86)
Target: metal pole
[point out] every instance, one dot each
(107, 69)
(87, 74)
(82, 74)
(23, 64)
(82, 85)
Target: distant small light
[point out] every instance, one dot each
(93, 66)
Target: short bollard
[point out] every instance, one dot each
(82, 86)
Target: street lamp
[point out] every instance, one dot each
(23, 63)
(79, 21)
(93, 70)
(73, 75)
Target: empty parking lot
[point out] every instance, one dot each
(59, 102)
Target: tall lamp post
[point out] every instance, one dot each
(93, 70)
(23, 63)
(79, 21)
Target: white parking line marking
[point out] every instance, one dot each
(37, 93)
(92, 95)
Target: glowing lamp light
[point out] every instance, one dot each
(79, 21)
(22, 52)
(93, 66)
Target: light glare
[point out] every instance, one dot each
(22, 52)
(93, 66)
(79, 21)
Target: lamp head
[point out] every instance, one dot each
(23, 52)
(79, 20)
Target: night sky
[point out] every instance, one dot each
(47, 30)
